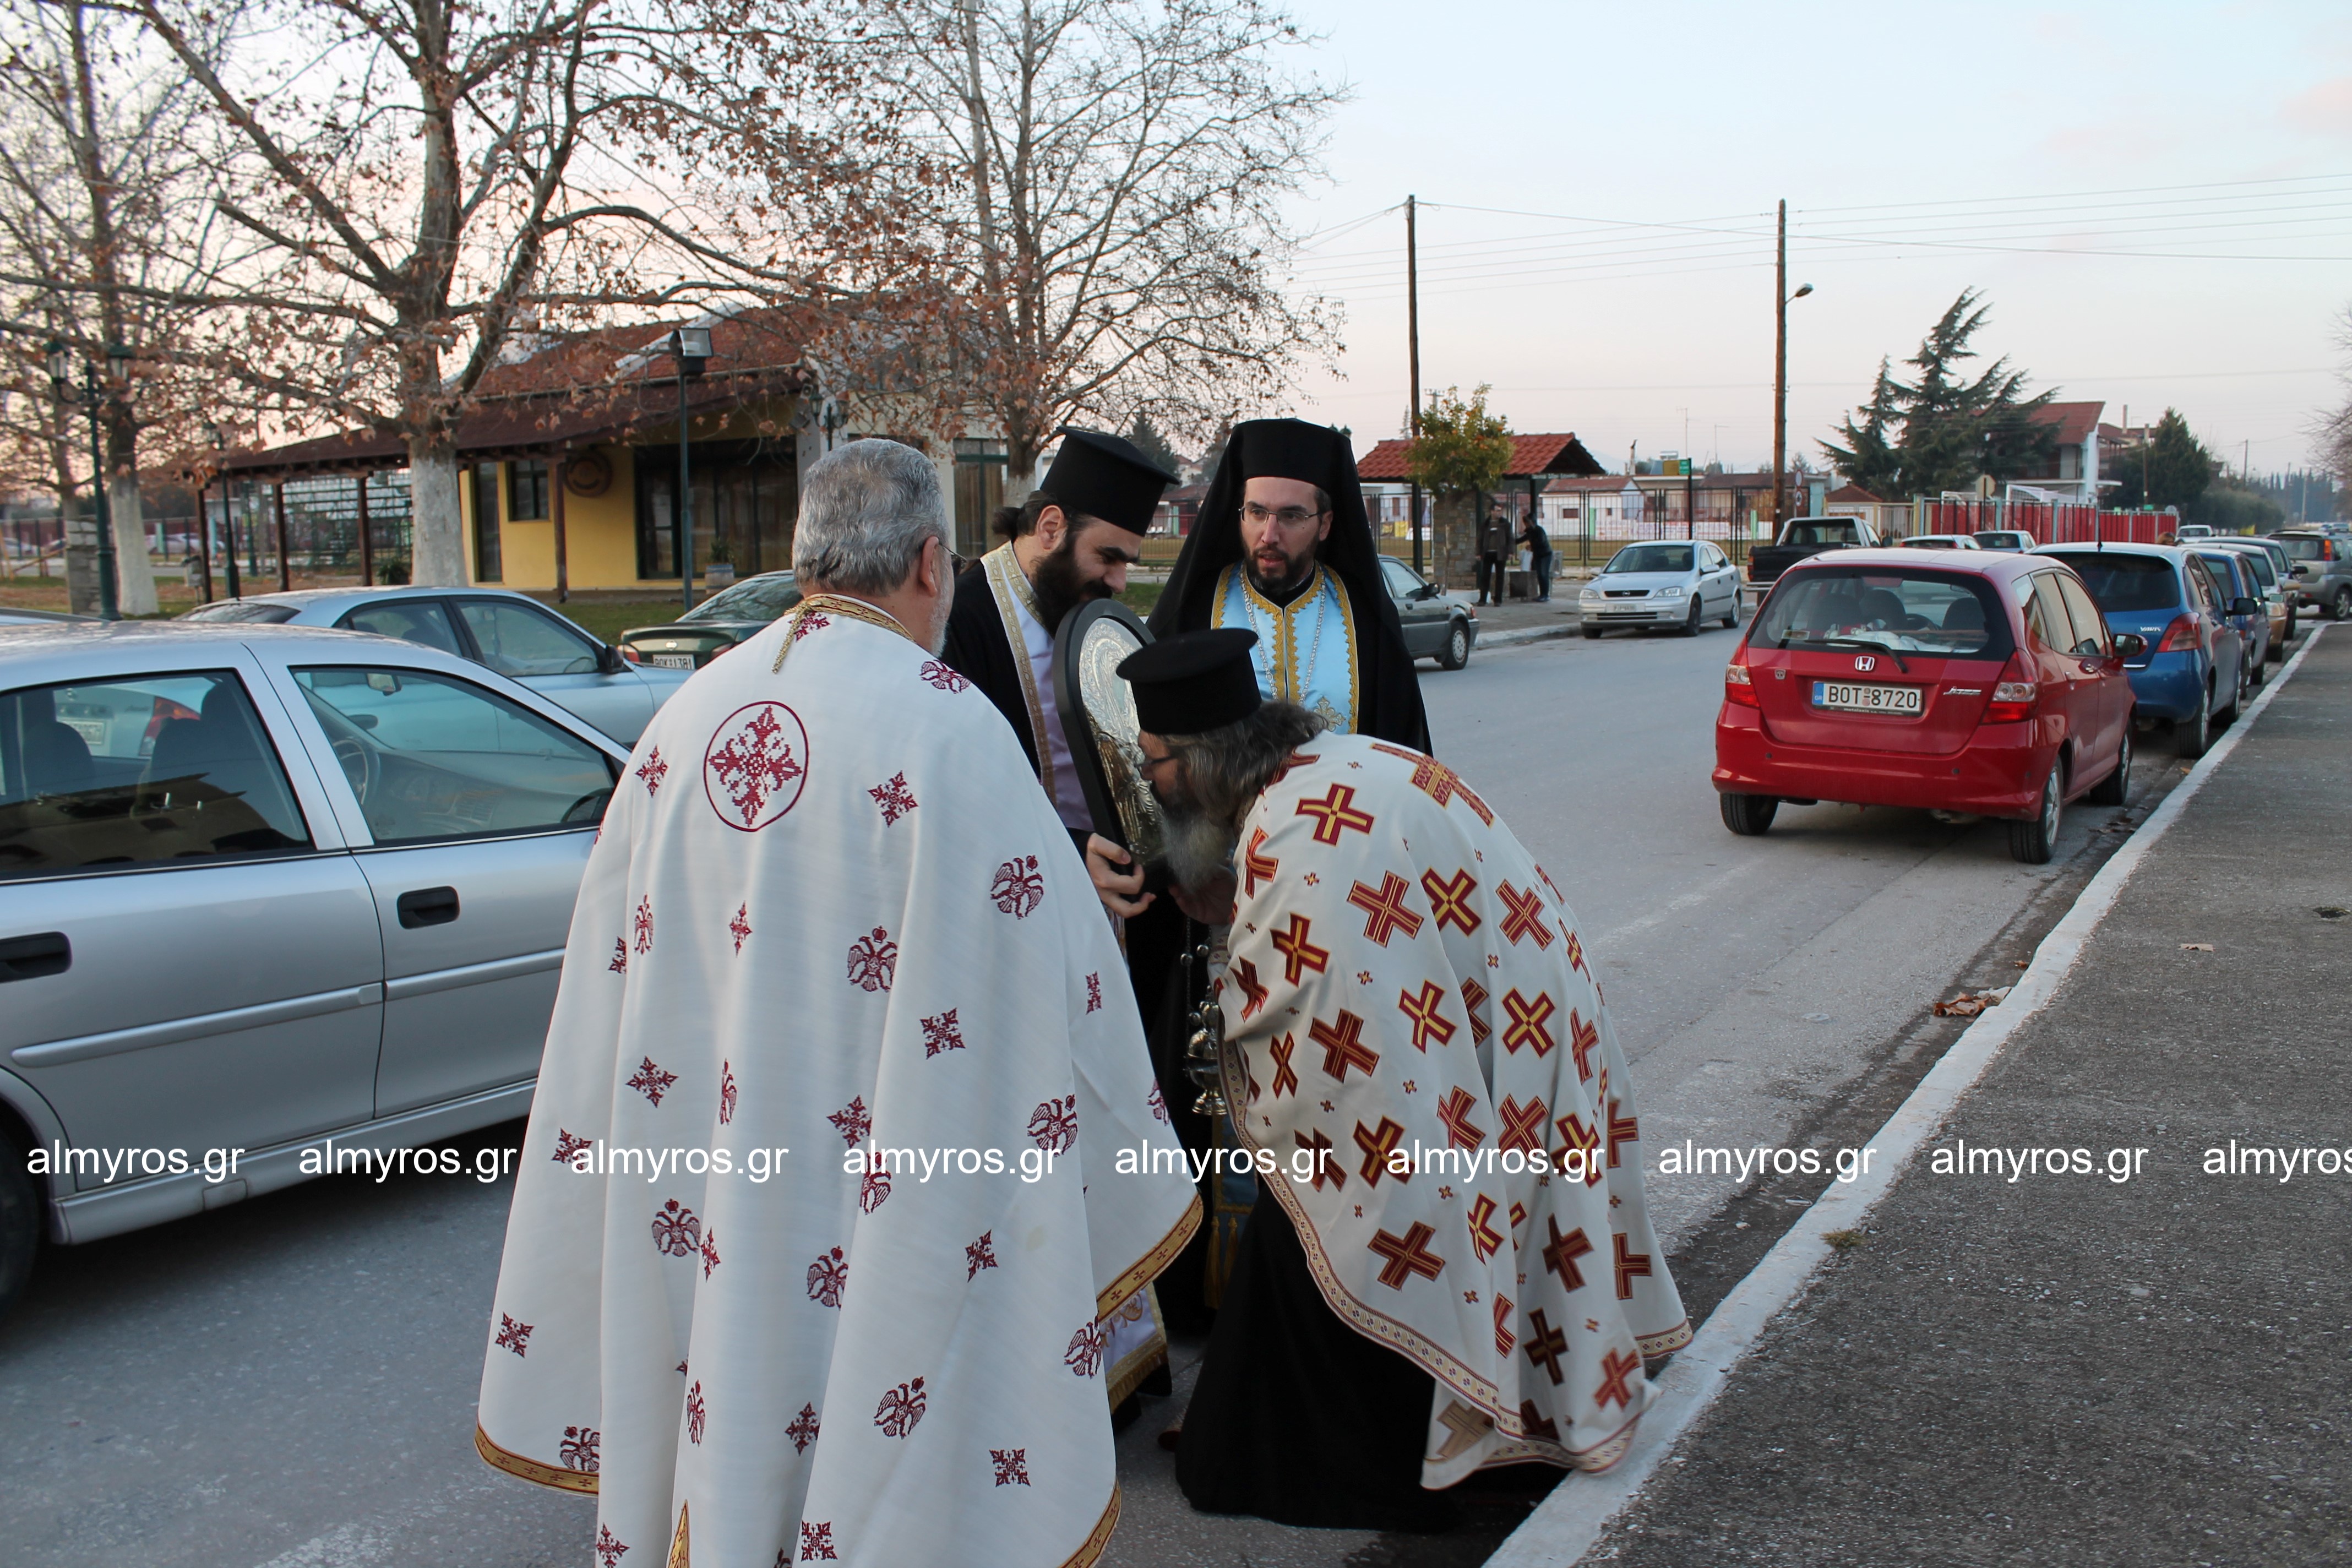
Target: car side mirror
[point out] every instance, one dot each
(609, 660)
(2242, 605)
(2129, 644)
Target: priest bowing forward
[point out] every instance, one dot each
(817, 1219)
(1453, 1267)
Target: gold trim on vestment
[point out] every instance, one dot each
(1149, 1267)
(1658, 1344)
(1011, 587)
(680, 1556)
(838, 605)
(1091, 1550)
(1283, 660)
(582, 1482)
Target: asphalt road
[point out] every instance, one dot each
(291, 1381)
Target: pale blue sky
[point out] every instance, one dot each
(1705, 113)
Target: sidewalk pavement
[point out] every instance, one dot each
(2074, 1368)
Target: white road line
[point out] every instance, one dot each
(1567, 1523)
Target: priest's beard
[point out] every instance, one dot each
(1198, 846)
(1281, 585)
(1058, 586)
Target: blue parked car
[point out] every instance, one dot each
(2194, 674)
(2234, 574)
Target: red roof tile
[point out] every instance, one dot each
(1531, 456)
(2074, 420)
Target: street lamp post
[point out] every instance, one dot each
(219, 443)
(60, 366)
(1781, 296)
(690, 348)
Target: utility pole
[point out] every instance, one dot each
(1779, 362)
(1413, 361)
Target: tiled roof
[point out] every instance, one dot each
(1852, 493)
(599, 386)
(2074, 420)
(1531, 456)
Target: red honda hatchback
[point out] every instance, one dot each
(1985, 683)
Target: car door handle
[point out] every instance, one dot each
(35, 957)
(427, 907)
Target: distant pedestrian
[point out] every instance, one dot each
(1536, 538)
(1494, 540)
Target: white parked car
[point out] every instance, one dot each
(1937, 542)
(262, 887)
(1666, 583)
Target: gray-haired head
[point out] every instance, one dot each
(865, 510)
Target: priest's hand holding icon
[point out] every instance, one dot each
(1117, 887)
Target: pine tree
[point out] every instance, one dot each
(2179, 466)
(1149, 441)
(1953, 428)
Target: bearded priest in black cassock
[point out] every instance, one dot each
(1070, 540)
(1282, 547)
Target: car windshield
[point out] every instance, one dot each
(2222, 564)
(2302, 546)
(1944, 614)
(761, 598)
(2122, 584)
(243, 613)
(1650, 558)
(1818, 534)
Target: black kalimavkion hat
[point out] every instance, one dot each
(1100, 475)
(1193, 682)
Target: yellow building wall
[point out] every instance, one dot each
(600, 531)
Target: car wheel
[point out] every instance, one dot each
(2115, 788)
(20, 1222)
(2035, 841)
(1731, 616)
(2279, 651)
(1690, 625)
(2258, 672)
(1591, 634)
(2339, 608)
(2191, 736)
(1456, 652)
(1748, 815)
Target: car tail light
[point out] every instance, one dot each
(630, 653)
(165, 711)
(2012, 698)
(1738, 686)
(2182, 634)
(722, 647)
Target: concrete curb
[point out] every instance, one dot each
(1564, 1526)
(1524, 635)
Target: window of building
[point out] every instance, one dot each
(527, 492)
(745, 497)
(979, 492)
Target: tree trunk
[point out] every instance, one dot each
(436, 536)
(1455, 563)
(134, 575)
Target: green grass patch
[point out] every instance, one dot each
(1141, 596)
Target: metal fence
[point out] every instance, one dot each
(322, 528)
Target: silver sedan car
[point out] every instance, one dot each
(1669, 582)
(269, 895)
(512, 633)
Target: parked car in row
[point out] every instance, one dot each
(733, 614)
(2003, 539)
(1436, 626)
(262, 887)
(1680, 583)
(2190, 672)
(2241, 597)
(1984, 683)
(1801, 537)
(1939, 541)
(512, 633)
(2322, 578)
(2257, 556)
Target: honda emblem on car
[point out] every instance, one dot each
(1865, 661)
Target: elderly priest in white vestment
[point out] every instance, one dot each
(817, 1220)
